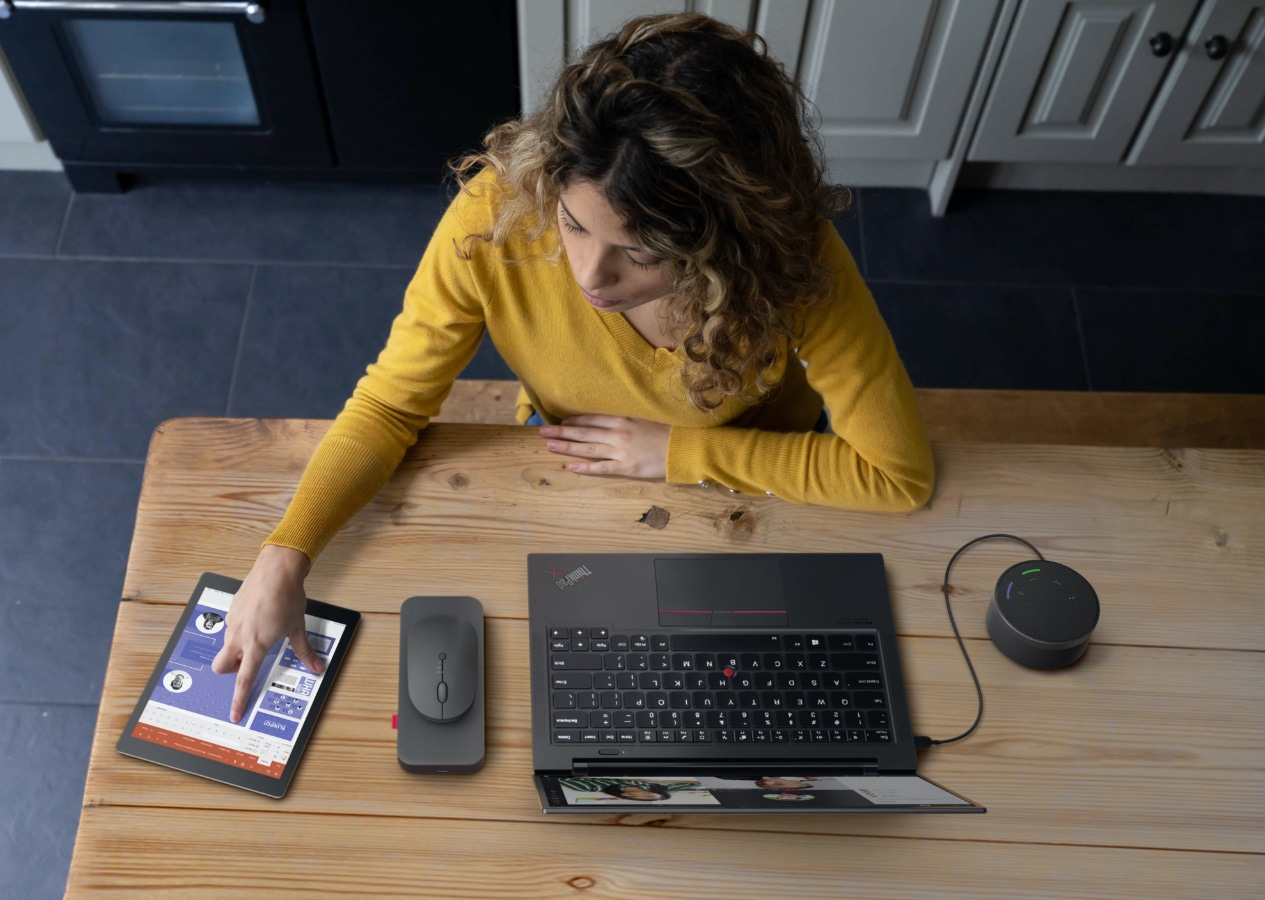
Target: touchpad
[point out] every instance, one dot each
(727, 592)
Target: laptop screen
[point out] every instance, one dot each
(828, 793)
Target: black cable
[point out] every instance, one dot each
(922, 741)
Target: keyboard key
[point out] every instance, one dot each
(818, 662)
(867, 642)
(718, 719)
(787, 681)
(818, 700)
(608, 737)
(878, 718)
(588, 737)
(799, 736)
(682, 662)
(579, 634)
(749, 661)
(868, 680)
(665, 736)
(717, 682)
(855, 718)
(740, 718)
(599, 634)
(808, 718)
(619, 643)
(774, 662)
(836, 736)
(764, 681)
(566, 737)
(864, 661)
(812, 681)
(703, 700)
(694, 718)
(626, 681)
(647, 718)
(657, 700)
(600, 646)
(792, 642)
(614, 662)
(683, 736)
(626, 737)
(634, 700)
(579, 644)
(855, 736)
(639, 642)
(659, 643)
(785, 718)
(638, 662)
(562, 645)
(704, 662)
(586, 699)
(761, 736)
(679, 700)
(576, 662)
(570, 720)
(726, 700)
(702, 736)
(833, 681)
(781, 736)
(749, 700)
(696, 681)
(563, 634)
(771, 700)
(743, 681)
(724, 736)
(878, 736)
(647, 736)
(796, 662)
(610, 700)
(840, 642)
(795, 700)
(840, 700)
(673, 681)
(650, 681)
(600, 719)
(815, 642)
(742, 736)
(576, 681)
(604, 681)
(563, 700)
(733, 643)
(670, 718)
(624, 719)
(819, 736)
(869, 699)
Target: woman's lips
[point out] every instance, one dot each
(598, 302)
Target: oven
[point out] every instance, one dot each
(127, 83)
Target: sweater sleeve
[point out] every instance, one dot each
(878, 457)
(432, 339)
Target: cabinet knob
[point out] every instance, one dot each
(1162, 44)
(1217, 47)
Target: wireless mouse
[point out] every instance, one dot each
(443, 666)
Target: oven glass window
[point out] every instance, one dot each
(148, 72)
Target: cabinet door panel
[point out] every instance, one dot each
(1076, 79)
(891, 79)
(1212, 112)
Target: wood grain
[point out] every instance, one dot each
(212, 854)
(1134, 773)
(1097, 418)
(1123, 749)
(1172, 540)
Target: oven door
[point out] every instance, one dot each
(169, 83)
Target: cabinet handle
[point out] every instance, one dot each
(1217, 47)
(1162, 44)
(254, 12)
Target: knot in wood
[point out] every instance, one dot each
(581, 882)
(737, 523)
(459, 482)
(656, 517)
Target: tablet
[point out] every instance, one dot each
(181, 719)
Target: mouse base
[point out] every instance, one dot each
(424, 746)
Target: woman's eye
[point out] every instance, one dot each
(642, 265)
(566, 223)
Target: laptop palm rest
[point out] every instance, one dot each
(726, 592)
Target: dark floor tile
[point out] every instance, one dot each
(32, 208)
(1174, 341)
(321, 223)
(957, 336)
(43, 765)
(65, 532)
(93, 355)
(311, 332)
(1200, 242)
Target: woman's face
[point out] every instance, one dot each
(631, 792)
(613, 274)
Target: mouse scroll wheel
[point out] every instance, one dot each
(441, 692)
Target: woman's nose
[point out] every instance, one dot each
(595, 272)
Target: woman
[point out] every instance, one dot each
(651, 253)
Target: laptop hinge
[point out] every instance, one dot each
(753, 767)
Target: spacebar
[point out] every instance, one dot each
(684, 642)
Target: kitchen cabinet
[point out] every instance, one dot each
(891, 80)
(1076, 78)
(1211, 109)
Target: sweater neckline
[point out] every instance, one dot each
(632, 344)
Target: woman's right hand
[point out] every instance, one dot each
(269, 606)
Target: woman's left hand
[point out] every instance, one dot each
(613, 445)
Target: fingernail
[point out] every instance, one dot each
(574, 467)
(555, 445)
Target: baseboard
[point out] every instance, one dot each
(1166, 179)
(28, 156)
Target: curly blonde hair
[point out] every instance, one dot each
(707, 150)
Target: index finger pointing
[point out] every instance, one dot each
(251, 658)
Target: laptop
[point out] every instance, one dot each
(720, 683)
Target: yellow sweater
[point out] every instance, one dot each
(577, 360)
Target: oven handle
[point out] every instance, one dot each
(254, 12)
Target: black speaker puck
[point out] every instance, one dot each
(1042, 614)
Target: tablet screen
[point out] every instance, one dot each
(189, 705)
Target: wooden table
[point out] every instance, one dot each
(1137, 772)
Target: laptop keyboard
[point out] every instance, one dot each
(716, 688)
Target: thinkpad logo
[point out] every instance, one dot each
(571, 577)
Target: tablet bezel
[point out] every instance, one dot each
(218, 771)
